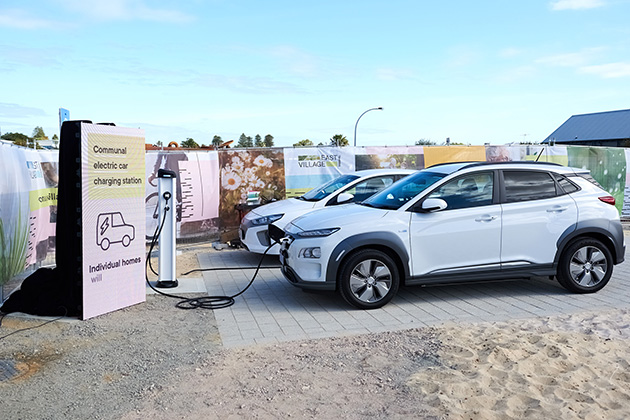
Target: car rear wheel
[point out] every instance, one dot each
(585, 266)
(369, 279)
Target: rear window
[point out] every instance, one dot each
(590, 179)
(568, 186)
(528, 185)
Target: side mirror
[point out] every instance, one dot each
(344, 198)
(433, 204)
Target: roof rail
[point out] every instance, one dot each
(453, 163)
(524, 162)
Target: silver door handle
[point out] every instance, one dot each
(485, 218)
(557, 209)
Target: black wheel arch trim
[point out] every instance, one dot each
(375, 240)
(611, 231)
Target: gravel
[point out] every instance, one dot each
(153, 360)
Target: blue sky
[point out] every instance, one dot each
(476, 71)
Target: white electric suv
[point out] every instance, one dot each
(348, 188)
(459, 222)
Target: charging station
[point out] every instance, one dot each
(101, 216)
(167, 228)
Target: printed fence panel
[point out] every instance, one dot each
(28, 209)
(211, 183)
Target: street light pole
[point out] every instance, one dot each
(380, 108)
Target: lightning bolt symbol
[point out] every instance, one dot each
(104, 225)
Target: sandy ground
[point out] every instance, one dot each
(155, 361)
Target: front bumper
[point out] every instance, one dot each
(311, 269)
(256, 239)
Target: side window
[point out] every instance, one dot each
(471, 190)
(365, 189)
(568, 186)
(528, 185)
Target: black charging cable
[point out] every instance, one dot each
(204, 302)
(2, 315)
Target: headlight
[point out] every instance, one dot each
(316, 233)
(267, 219)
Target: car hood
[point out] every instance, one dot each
(290, 208)
(337, 216)
(289, 205)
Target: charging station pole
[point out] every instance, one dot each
(167, 239)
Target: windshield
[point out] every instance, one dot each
(328, 188)
(393, 197)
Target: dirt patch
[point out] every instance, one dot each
(155, 361)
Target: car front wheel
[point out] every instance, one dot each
(585, 266)
(369, 279)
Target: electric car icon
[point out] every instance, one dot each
(111, 229)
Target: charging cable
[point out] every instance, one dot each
(204, 302)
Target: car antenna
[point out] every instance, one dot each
(541, 150)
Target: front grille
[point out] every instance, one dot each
(263, 238)
(289, 274)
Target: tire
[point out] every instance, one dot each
(369, 279)
(126, 240)
(585, 266)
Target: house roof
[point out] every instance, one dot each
(611, 125)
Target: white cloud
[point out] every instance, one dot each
(125, 10)
(245, 84)
(576, 4)
(297, 61)
(574, 59)
(608, 71)
(516, 74)
(19, 19)
(18, 111)
(461, 56)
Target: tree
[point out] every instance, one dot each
(55, 140)
(339, 140)
(18, 139)
(245, 141)
(305, 142)
(217, 141)
(425, 142)
(268, 140)
(190, 143)
(38, 134)
(258, 141)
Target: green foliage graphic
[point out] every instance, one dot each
(607, 166)
(13, 247)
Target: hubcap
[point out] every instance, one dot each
(370, 281)
(588, 266)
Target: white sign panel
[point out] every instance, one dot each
(113, 232)
(308, 167)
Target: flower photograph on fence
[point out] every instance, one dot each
(246, 172)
